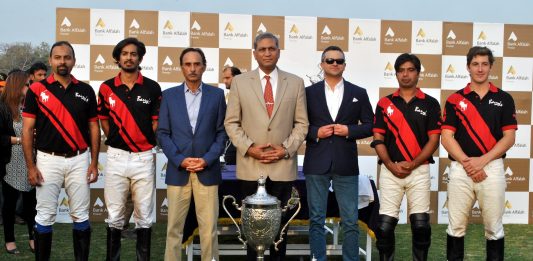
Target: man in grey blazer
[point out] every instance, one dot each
(266, 120)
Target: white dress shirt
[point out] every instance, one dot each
(273, 81)
(334, 98)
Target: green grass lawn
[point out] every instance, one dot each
(518, 244)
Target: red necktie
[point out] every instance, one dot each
(269, 96)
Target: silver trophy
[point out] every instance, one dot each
(260, 218)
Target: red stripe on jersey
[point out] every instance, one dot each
(378, 130)
(509, 127)
(28, 115)
(476, 127)
(398, 125)
(60, 117)
(128, 128)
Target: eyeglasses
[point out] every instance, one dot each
(331, 61)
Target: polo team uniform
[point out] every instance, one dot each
(478, 124)
(406, 128)
(62, 117)
(130, 162)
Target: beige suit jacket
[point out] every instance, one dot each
(247, 123)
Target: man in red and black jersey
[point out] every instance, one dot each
(479, 127)
(63, 112)
(406, 133)
(128, 109)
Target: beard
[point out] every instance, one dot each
(63, 71)
(129, 69)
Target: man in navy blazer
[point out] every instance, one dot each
(191, 133)
(339, 113)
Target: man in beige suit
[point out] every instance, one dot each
(266, 120)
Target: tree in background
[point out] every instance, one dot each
(22, 55)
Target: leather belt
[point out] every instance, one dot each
(69, 154)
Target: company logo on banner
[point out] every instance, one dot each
(442, 207)
(518, 40)
(235, 31)
(73, 25)
(142, 25)
(98, 209)
(300, 33)
(149, 63)
(271, 24)
(521, 147)
(426, 37)
(103, 64)
(234, 57)
(174, 29)
(516, 208)
(395, 36)
(107, 26)
(455, 76)
(204, 30)
(489, 35)
(332, 31)
(517, 174)
(517, 74)
(457, 38)
(364, 36)
(211, 73)
(63, 209)
(444, 173)
(169, 65)
(430, 70)
(522, 101)
(161, 204)
(161, 165)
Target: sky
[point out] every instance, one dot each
(34, 20)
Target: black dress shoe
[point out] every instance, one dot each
(13, 251)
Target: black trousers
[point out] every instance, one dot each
(29, 202)
(281, 190)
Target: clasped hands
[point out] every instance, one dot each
(194, 164)
(332, 129)
(474, 168)
(266, 153)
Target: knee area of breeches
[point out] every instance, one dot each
(386, 225)
(420, 222)
(43, 229)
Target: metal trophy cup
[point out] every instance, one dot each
(260, 218)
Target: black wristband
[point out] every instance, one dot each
(374, 143)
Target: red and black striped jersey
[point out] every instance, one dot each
(479, 123)
(130, 112)
(406, 127)
(62, 115)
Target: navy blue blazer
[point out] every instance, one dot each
(336, 154)
(175, 136)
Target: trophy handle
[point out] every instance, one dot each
(232, 219)
(286, 225)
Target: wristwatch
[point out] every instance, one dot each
(287, 155)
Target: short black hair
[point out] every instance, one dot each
(65, 43)
(234, 70)
(191, 49)
(479, 50)
(331, 48)
(407, 57)
(141, 48)
(36, 67)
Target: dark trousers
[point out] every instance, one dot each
(8, 210)
(281, 190)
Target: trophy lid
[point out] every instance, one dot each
(261, 197)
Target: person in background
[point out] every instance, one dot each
(230, 152)
(15, 182)
(37, 72)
